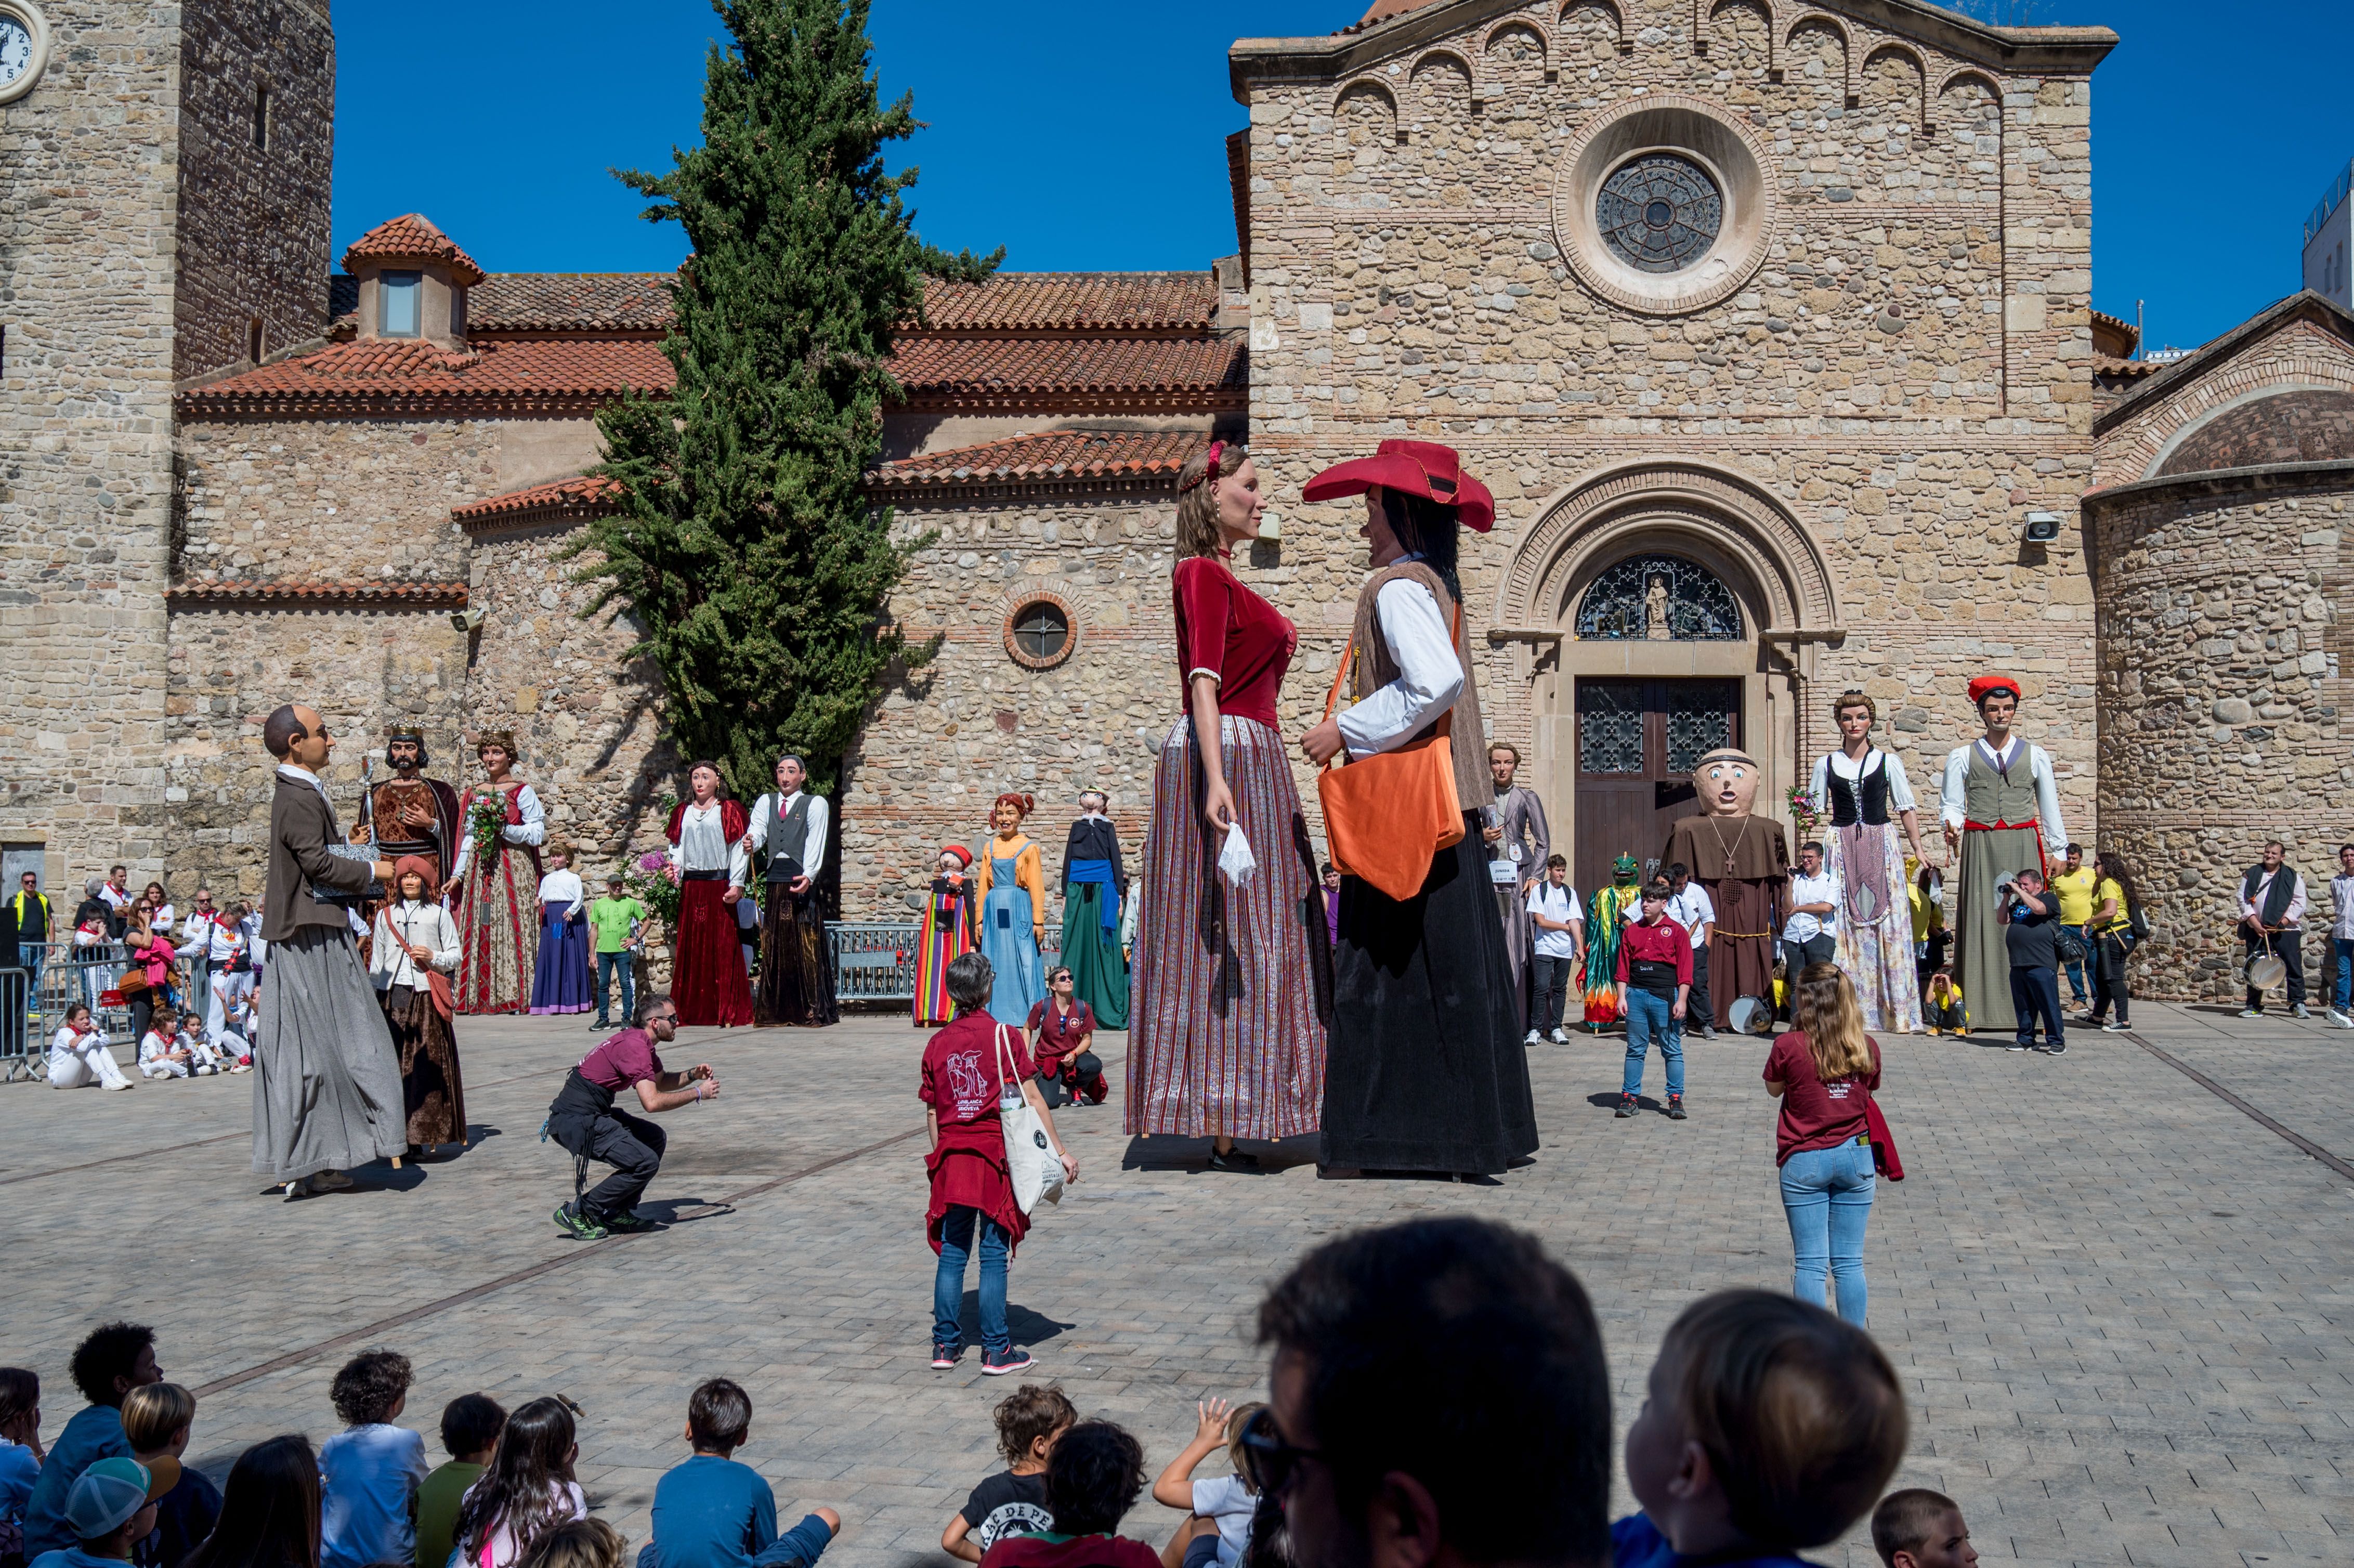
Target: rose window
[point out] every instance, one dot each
(1659, 212)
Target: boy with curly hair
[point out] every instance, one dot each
(1014, 1500)
(369, 1472)
(107, 1365)
(1093, 1479)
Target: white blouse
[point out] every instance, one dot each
(426, 924)
(1899, 788)
(559, 889)
(68, 1046)
(531, 829)
(704, 845)
(1430, 676)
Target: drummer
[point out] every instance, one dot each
(2031, 920)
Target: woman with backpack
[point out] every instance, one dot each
(2115, 926)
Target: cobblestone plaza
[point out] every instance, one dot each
(2115, 1283)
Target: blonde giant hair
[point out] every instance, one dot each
(1832, 1022)
(1197, 512)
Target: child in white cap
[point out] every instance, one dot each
(111, 1505)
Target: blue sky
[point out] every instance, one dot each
(1084, 135)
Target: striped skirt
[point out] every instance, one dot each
(1233, 986)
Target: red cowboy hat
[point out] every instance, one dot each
(1417, 468)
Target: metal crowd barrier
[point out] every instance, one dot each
(874, 960)
(21, 1045)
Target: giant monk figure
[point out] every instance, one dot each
(1743, 861)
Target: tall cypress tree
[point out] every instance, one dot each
(744, 546)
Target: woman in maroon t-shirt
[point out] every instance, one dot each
(1824, 1072)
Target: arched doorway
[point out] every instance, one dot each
(1658, 608)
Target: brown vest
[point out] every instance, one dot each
(1374, 669)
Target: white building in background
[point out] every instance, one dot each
(2329, 242)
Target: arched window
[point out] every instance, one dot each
(1658, 599)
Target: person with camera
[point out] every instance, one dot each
(2030, 917)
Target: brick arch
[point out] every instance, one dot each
(1822, 21)
(1919, 89)
(1617, 19)
(1361, 90)
(1737, 527)
(1765, 11)
(1971, 74)
(2270, 425)
(1456, 58)
(1526, 28)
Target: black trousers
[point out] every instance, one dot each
(2036, 990)
(2289, 947)
(586, 1124)
(1795, 957)
(1697, 1010)
(2105, 957)
(1549, 982)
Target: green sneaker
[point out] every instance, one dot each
(630, 1224)
(579, 1225)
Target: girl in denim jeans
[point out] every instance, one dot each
(1824, 1072)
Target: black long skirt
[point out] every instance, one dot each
(796, 983)
(1426, 1071)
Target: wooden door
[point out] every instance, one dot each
(1636, 742)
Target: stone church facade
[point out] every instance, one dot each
(1769, 325)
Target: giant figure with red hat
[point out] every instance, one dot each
(2001, 806)
(708, 862)
(1426, 1070)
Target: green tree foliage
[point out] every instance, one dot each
(744, 546)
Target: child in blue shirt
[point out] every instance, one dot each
(1771, 1425)
(369, 1472)
(712, 1512)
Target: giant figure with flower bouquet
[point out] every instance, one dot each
(495, 883)
(1869, 797)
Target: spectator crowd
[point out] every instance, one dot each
(1438, 1394)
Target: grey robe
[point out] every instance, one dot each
(1523, 821)
(326, 1083)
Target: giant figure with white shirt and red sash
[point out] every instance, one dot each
(2000, 803)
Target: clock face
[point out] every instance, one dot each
(15, 48)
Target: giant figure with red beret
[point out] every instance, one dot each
(2001, 806)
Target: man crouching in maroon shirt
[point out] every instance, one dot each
(1655, 973)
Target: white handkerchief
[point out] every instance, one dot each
(1235, 862)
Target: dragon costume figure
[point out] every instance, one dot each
(1605, 920)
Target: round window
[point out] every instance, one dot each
(1038, 633)
(1659, 212)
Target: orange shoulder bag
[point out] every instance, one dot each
(1386, 815)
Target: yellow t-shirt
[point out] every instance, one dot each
(2075, 891)
(1928, 914)
(2107, 890)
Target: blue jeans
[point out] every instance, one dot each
(1826, 1197)
(1648, 1014)
(2341, 965)
(947, 1282)
(606, 964)
(2076, 969)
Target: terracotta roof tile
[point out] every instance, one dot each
(1075, 302)
(559, 498)
(1068, 457)
(2129, 369)
(312, 595)
(412, 236)
(411, 375)
(571, 301)
(1195, 372)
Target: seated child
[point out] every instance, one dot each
(206, 1057)
(369, 1472)
(470, 1425)
(712, 1512)
(1941, 1008)
(1918, 1528)
(162, 1054)
(156, 1421)
(1093, 1479)
(1014, 1500)
(1770, 1426)
(111, 1508)
(578, 1543)
(1229, 1502)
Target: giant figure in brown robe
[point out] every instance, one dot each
(1743, 862)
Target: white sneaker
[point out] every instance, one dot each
(2301, 1010)
(1534, 1039)
(1560, 1037)
(2251, 1012)
(126, 1084)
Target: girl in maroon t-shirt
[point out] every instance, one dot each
(968, 1067)
(1824, 1072)
(1060, 1029)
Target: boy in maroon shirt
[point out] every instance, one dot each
(970, 1067)
(1655, 973)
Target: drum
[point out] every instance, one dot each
(1752, 1015)
(2266, 972)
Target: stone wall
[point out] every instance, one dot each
(2140, 435)
(331, 500)
(2223, 657)
(254, 219)
(1904, 375)
(87, 252)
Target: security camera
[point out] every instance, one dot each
(2042, 527)
(469, 619)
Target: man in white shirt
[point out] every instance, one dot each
(116, 891)
(789, 829)
(2341, 940)
(1560, 936)
(2271, 920)
(195, 942)
(1689, 905)
(1810, 936)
